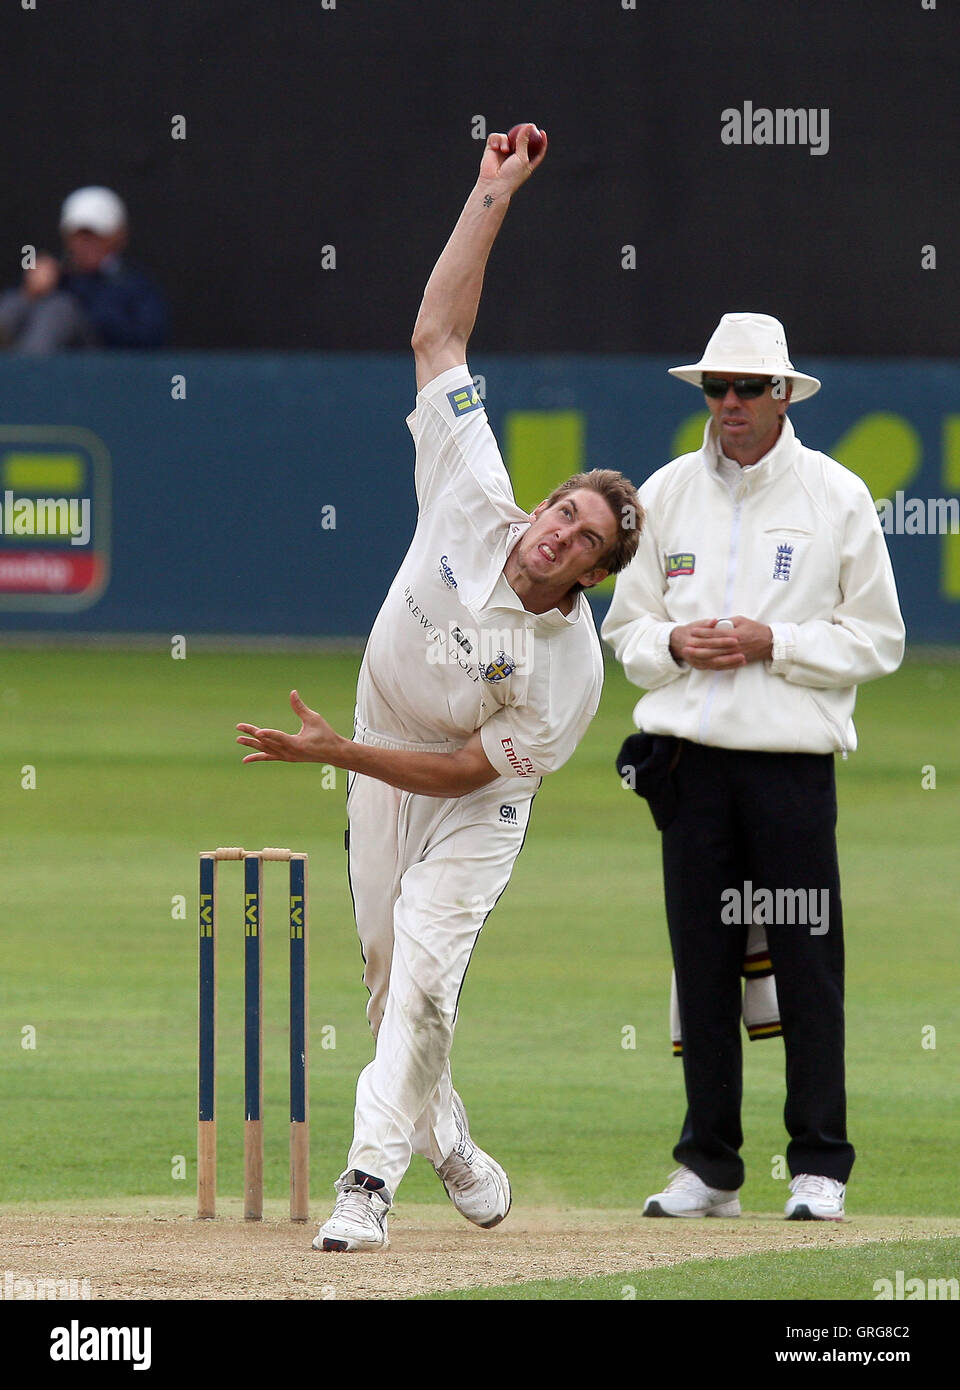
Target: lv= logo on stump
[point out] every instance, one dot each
(253, 861)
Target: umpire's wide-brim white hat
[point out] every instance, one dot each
(750, 345)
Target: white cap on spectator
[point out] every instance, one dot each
(93, 210)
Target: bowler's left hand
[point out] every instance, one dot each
(316, 742)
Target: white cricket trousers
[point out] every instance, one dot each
(424, 874)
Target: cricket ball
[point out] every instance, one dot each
(534, 144)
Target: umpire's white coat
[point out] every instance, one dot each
(795, 544)
(452, 650)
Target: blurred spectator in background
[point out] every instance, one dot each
(90, 299)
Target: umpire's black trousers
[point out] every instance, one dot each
(766, 820)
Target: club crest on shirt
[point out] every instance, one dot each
(781, 566)
(499, 668)
(681, 563)
(464, 400)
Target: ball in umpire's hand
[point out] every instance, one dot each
(534, 144)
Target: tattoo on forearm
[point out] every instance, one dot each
(488, 201)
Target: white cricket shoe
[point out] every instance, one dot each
(475, 1183)
(815, 1198)
(359, 1220)
(687, 1195)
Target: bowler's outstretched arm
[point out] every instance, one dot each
(428, 774)
(449, 307)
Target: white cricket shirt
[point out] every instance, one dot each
(453, 649)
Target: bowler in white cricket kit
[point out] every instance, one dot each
(480, 676)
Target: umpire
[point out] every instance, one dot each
(744, 716)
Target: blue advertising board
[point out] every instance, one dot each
(272, 495)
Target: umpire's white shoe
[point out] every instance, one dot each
(687, 1195)
(815, 1198)
(475, 1183)
(359, 1220)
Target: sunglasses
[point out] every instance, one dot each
(746, 388)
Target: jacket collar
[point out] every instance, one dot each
(776, 461)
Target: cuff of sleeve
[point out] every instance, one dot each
(665, 658)
(451, 396)
(784, 647)
(502, 751)
(439, 385)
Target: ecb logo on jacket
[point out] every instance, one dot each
(781, 566)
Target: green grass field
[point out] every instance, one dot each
(136, 771)
(797, 1275)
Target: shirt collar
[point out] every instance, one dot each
(492, 593)
(504, 596)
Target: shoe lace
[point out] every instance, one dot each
(459, 1172)
(682, 1178)
(817, 1184)
(356, 1203)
